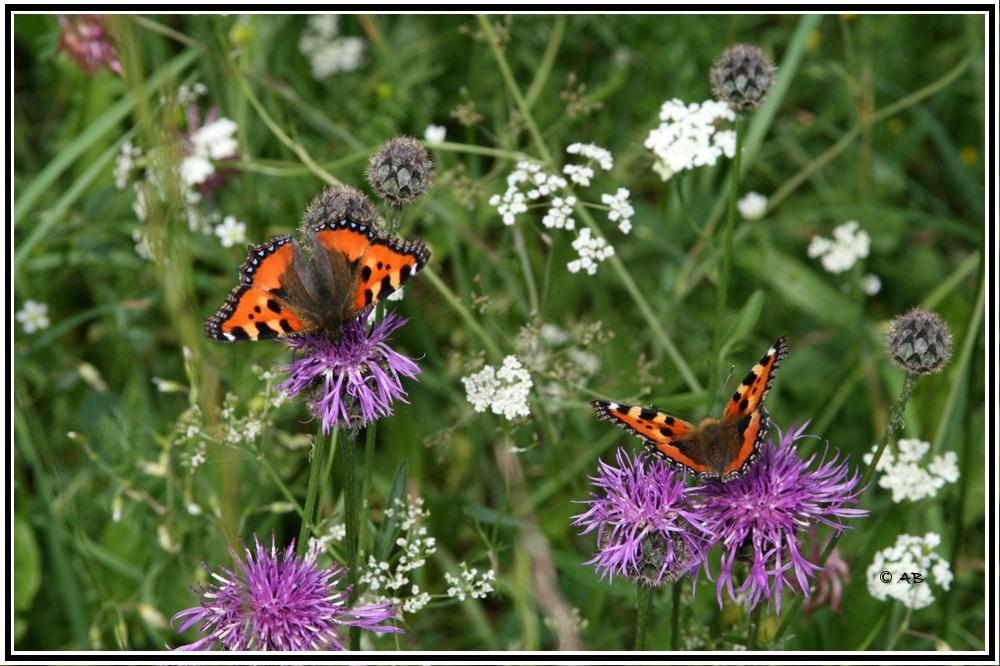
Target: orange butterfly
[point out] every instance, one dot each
(717, 448)
(283, 292)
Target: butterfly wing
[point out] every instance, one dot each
(259, 307)
(745, 419)
(664, 433)
(382, 263)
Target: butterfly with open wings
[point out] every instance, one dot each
(717, 448)
(285, 292)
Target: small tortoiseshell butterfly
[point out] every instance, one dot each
(284, 292)
(717, 448)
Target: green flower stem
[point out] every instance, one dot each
(269, 468)
(463, 311)
(644, 308)
(312, 490)
(486, 151)
(720, 299)
(529, 274)
(675, 616)
(351, 523)
(643, 607)
(543, 151)
(299, 151)
(893, 426)
(754, 629)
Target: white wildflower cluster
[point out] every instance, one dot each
(390, 581)
(213, 141)
(33, 316)
(592, 250)
(435, 134)
(903, 474)
(849, 244)
(334, 532)
(561, 356)
(688, 136)
(621, 209)
(126, 162)
(241, 430)
(231, 231)
(327, 52)
(910, 555)
(203, 146)
(752, 206)
(504, 392)
(528, 184)
(470, 583)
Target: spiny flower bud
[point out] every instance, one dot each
(741, 77)
(919, 342)
(401, 170)
(340, 203)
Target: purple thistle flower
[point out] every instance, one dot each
(648, 526)
(274, 602)
(758, 517)
(352, 380)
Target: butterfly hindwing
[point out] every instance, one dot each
(253, 314)
(745, 438)
(664, 433)
(385, 266)
(753, 389)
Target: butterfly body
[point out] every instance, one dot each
(722, 448)
(288, 290)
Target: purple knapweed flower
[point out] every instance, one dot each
(86, 39)
(278, 602)
(831, 579)
(648, 525)
(758, 517)
(354, 379)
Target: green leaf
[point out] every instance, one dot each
(390, 526)
(27, 570)
(745, 321)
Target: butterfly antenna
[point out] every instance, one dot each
(725, 384)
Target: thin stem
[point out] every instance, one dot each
(643, 607)
(301, 152)
(675, 616)
(720, 300)
(487, 151)
(548, 59)
(893, 425)
(754, 629)
(903, 626)
(351, 523)
(453, 300)
(269, 468)
(312, 490)
(529, 274)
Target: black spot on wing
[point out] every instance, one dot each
(264, 331)
(285, 326)
(366, 273)
(744, 403)
(647, 414)
(239, 333)
(750, 378)
(387, 287)
(368, 296)
(273, 306)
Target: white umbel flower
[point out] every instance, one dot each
(435, 133)
(687, 136)
(591, 250)
(505, 391)
(33, 316)
(752, 206)
(559, 214)
(903, 474)
(621, 210)
(909, 555)
(470, 583)
(594, 153)
(214, 141)
(231, 232)
(329, 54)
(849, 244)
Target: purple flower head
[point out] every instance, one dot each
(278, 602)
(352, 380)
(759, 516)
(86, 39)
(648, 527)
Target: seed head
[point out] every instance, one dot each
(741, 77)
(340, 203)
(401, 170)
(919, 342)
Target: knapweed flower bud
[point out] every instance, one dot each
(741, 77)
(401, 170)
(919, 341)
(340, 203)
